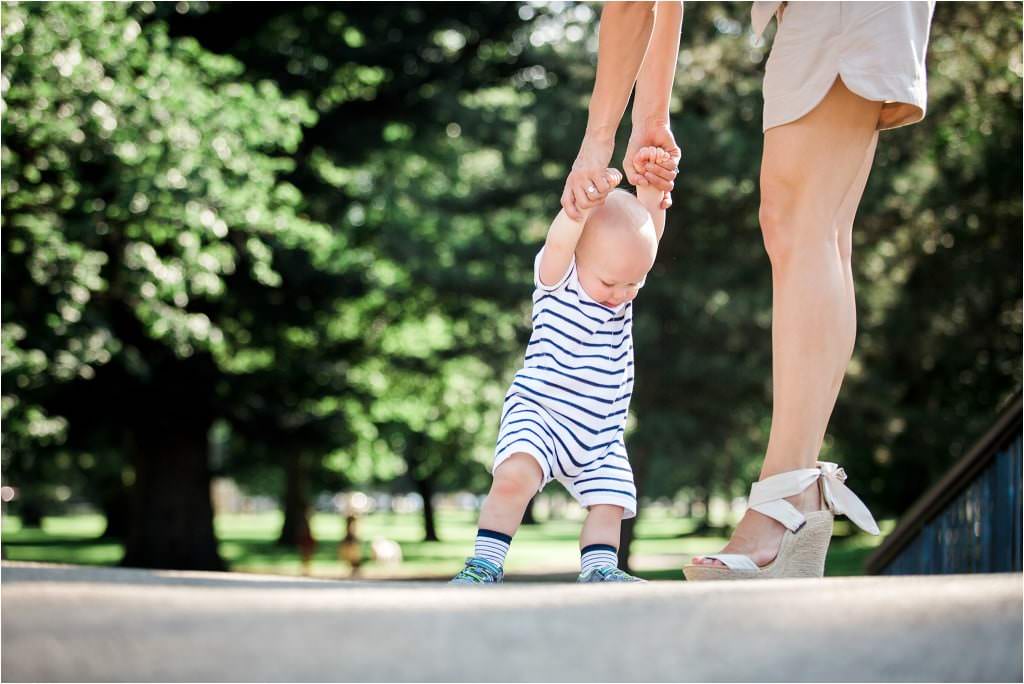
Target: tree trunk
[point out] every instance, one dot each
(117, 509)
(705, 497)
(640, 462)
(528, 517)
(295, 528)
(30, 514)
(172, 521)
(728, 473)
(425, 488)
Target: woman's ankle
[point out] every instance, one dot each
(808, 500)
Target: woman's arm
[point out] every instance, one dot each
(651, 124)
(625, 31)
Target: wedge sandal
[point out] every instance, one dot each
(807, 536)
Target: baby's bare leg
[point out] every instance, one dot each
(602, 526)
(516, 480)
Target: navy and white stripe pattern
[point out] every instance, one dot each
(492, 545)
(567, 405)
(598, 556)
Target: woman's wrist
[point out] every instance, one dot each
(595, 150)
(603, 135)
(647, 122)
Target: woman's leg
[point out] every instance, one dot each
(813, 174)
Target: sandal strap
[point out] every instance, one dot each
(768, 496)
(734, 561)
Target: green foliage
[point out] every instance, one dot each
(145, 230)
(312, 225)
(550, 547)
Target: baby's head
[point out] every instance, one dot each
(616, 250)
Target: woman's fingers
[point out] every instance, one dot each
(640, 167)
(659, 182)
(569, 203)
(583, 192)
(665, 168)
(583, 201)
(662, 172)
(600, 185)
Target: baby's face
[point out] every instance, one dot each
(616, 250)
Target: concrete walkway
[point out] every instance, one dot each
(91, 624)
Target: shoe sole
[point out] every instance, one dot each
(801, 554)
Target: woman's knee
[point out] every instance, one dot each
(792, 221)
(776, 213)
(518, 477)
(845, 237)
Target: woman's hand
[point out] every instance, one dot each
(588, 184)
(659, 176)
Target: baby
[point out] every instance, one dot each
(564, 416)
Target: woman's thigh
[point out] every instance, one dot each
(809, 166)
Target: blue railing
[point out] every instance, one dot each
(971, 520)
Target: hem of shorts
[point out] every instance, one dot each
(862, 83)
(508, 451)
(628, 503)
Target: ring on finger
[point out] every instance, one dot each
(591, 189)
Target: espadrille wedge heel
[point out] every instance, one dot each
(806, 539)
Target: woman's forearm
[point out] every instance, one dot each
(625, 32)
(658, 72)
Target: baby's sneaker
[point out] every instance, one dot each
(478, 571)
(608, 573)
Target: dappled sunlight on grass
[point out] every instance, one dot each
(248, 543)
(70, 539)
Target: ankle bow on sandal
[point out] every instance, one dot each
(806, 539)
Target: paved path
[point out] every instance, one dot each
(65, 623)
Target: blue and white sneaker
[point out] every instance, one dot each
(607, 573)
(479, 571)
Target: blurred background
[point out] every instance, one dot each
(267, 272)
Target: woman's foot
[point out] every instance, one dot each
(758, 537)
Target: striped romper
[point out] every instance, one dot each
(567, 405)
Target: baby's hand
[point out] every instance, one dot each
(658, 162)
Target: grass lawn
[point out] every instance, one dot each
(545, 551)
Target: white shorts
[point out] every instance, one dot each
(599, 478)
(878, 48)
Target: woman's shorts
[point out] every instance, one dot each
(878, 48)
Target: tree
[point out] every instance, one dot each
(140, 187)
